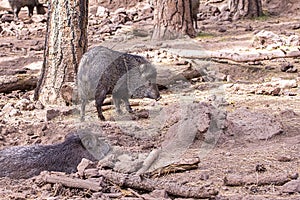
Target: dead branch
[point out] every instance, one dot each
(183, 165)
(258, 179)
(256, 55)
(251, 56)
(19, 82)
(71, 182)
(139, 183)
(143, 18)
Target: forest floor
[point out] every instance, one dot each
(245, 85)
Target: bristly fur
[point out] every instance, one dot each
(28, 161)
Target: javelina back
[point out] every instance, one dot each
(16, 6)
(28, 161)
(102, 71)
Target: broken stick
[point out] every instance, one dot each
(258, 179)
(136, 182)
(71, 182)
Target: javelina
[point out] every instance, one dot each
(29, 161)
(16, 6)
(102, 71)
(195, 9)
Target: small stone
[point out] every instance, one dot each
(85, 163)
(222, 30)
(248, 28)
(291, 187)
(51, 114)
(284, 159)
(286, 66)
(260, 168)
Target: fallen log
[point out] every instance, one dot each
(22, 82)
(145, 184)
(246, 56)
(71, 182)
(258, 179)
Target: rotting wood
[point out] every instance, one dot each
(71, 182)
(258, 179)
(18, 82)
(181, 166)
(145, 184)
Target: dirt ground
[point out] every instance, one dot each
(241, 86)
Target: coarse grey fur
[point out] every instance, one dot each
(28, 161)
(16, 6)
(102, 71)
(195, 10)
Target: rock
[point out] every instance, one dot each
(7, 18)
(7, 108)
(127, 164)
(248, 28)
(252, 125)
(51, 114)
(292, 186)
(260, 168)
(82, 166)
(157, 194)
(39, 18)
(25, 104)
(285, 66)
(39, 105)
(222, 30)
(102, 12)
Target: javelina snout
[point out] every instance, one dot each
(102, 71)
(148, 87)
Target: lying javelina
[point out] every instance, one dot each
(102, 71)
(16, 6)
(28, 161)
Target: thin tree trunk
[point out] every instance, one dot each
(65, 43)
(245, 8)
(172, 19)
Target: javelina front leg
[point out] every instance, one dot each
(117, 102)
(127, 105)
(99, 97)
(16, 13)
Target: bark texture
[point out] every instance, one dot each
(172, 19)
(65, 43)
(245, 8)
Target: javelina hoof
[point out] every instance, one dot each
(101, 117)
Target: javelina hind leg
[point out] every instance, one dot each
(82, 113)
(99, 97)
(30, 10)
(117, 102)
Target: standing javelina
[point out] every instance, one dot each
(195, 9)
(28, 161)
(102, 71)
(16, 6)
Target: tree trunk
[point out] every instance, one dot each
(65, 43)
(245, 8)
(172, 19)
